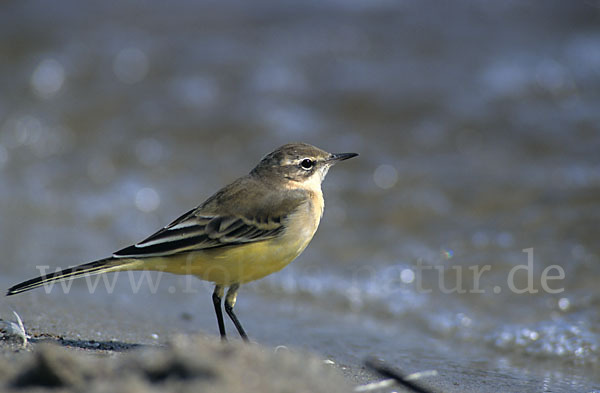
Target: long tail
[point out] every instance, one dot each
(96, 267)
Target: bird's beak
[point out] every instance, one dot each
(340, 157)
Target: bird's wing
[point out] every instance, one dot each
(197, 231)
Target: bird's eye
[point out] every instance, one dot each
(307, 163)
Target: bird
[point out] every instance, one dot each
(247, 230)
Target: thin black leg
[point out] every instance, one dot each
(229, 304)
(216, 297)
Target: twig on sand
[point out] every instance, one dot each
(394, 376)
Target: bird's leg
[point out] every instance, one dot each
(229, 303)
(216, 297)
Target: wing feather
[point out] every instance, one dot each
(223, 221)
(192, 233)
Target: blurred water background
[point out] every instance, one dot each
(478, 125)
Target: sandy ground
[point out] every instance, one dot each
(91, 348)
(185, 364)
(143, 343)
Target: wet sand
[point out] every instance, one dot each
(196, 363)
(185, 363)
(79, 343)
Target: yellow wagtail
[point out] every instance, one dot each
(249, 229)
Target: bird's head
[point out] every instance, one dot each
(298, 162)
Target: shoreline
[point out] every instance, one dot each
(186, 362)
(126, 326)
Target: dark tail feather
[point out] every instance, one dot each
(95, 267)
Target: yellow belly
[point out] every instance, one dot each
(241, 263)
